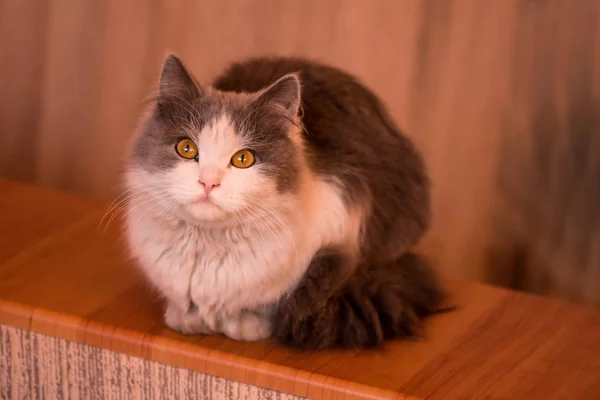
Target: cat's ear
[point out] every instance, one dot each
(176, 82)
(285, 92)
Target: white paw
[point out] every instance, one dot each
(185, 322)
(247, 327)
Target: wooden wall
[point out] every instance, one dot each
(481, 86)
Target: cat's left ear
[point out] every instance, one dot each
(285, 92)
(176, 82)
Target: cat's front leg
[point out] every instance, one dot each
(186, 321)
(249, 326)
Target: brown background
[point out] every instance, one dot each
(501, 96)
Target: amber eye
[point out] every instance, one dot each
(187, 149)
(243, 159)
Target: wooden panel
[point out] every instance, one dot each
(549, 153)
(23, 25)
(48, 368)
(76, 283)
(470, 81)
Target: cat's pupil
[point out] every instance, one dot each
(242, 158)
(187, 148)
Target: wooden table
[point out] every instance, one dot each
(62, 277)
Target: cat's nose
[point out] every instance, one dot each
(209, 184)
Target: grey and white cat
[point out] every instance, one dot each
(280, 200)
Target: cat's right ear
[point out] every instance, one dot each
(176, 83)
(285, 93)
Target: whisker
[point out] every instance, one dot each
(128, 197)
(142, 199)
(154, 199)
(128, 194)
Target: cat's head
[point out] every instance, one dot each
(206, 155)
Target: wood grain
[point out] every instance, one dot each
(36, 366)
(62, 276)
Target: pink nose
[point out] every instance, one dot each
(209, 185)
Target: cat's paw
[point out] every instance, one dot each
(185, 322)
(247, 327)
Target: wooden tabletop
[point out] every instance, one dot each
(60, 275)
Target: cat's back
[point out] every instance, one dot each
(332, 100)
(320, 83)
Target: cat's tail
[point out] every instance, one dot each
(387, 302)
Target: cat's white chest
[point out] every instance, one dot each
(217, 269)
(238, 269)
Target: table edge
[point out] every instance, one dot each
(188, 355)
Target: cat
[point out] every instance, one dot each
(281, 201)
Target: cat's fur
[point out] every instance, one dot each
(313, 242)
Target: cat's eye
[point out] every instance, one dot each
(243, 159)
(187, 149)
